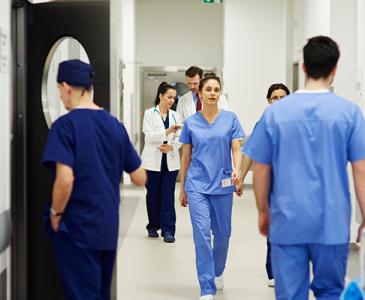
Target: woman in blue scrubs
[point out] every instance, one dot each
(211, 139)
(161, 159)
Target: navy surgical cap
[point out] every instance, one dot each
(76, 73)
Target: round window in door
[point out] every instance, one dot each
(64, 49)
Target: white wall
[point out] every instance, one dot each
(254, 54)
(360, 55)
(5, 114)
(130, 116)
(311, 18)
(179, 33)
(344, 31)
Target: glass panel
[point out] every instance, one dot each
(64, 49)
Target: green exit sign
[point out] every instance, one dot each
(213, 1)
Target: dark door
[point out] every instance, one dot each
(35, 274)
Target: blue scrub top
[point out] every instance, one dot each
(211, 151)
(97, 147)
(308, 138)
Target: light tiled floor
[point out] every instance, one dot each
(151, 269)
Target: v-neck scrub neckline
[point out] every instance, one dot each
(211, 160)
(215, 119)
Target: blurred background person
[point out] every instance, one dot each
(191, 102)
(275, 92)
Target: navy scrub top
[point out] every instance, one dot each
(98, 149)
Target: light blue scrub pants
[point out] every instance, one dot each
(291, 270)
(210, 214)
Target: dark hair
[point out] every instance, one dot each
(162, 89)
(193, 71)
(276, 86)
(208, 76)
(321, 55)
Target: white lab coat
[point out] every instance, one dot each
(155, 135)
(187, 107)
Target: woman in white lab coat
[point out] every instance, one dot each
(160, 157)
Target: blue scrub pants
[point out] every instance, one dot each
(210, 214)
(291, 270)
(161, 200)
(86, 274)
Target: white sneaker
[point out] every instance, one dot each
(206, 297)
(271, 283)
(219, 282)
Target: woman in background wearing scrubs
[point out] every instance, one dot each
(275, 92)
(210, 137)
(161, 159)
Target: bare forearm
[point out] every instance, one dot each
(261, 186)
(359, 181)
(61, 195)
(237, 158)
(185, 162)
(245, 166)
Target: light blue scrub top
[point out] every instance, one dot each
(211, 151)
(308, 138)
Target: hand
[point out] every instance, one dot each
(183, 199)
(55, 222)
(164, 148)
(359, 231)
(239, 189)
(264, 222)
(235, 176)
(171, 129)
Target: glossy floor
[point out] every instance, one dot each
(151, 269)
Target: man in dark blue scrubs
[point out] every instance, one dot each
(88, 149)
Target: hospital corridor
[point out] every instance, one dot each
(151, 268)
(182, 150)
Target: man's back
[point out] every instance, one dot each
(313, 137)
(95, 145)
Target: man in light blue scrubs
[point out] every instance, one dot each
(306, 140)
(211, 139)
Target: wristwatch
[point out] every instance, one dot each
(53, 213)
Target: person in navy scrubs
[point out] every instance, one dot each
(88, 150)
(305, 142)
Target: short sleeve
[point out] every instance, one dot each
(237, 131)
(356, 141)
(132, 160)
(185, 136)
(259, 145)
(60, 144)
